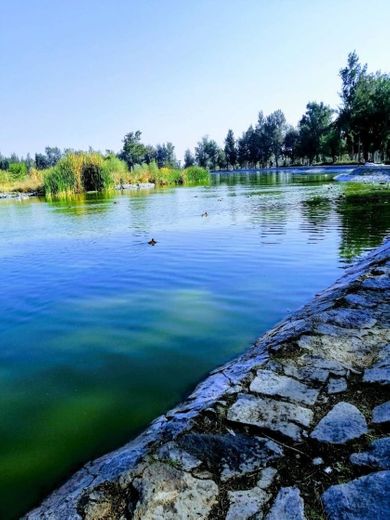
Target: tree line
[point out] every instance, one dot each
(358, 130)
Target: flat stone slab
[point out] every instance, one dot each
(169, 493)
(288, 505)
(381, 413)
(366, 498)
(285, 418)
(336, 386)
(377, 456)
(380, 372)
(230, 455)
(269, 383)
(246, 504)
(342, 424)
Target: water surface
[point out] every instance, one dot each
(101, 332)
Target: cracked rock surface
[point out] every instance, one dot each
(295, 428)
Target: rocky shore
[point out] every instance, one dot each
(18, 195)
(297, 427)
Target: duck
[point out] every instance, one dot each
(152, 242)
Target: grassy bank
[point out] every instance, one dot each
(91, 171)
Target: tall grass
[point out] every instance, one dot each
(27, 183)
(168, 176)
(79, 172)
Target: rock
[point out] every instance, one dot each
(173, 454)
(267, 382)
(285, 418)
(377, 456)
(336, 386)
(267, 476)
(381, 413)
(246, 504)
(168, 493)
(380, 372)
(231, 455)
(317, 461)
(343, 423)
(365, 498)
(348, 318)
(379, 283)
(288, 505)
(314, 368)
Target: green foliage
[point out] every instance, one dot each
(17, 170)
(313, 126)
(230, 149)
(195, 175)
(78, 172)
(133, 151)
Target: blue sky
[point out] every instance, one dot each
(80, 73)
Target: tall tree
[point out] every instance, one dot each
(275, 130)
(189, 159)
(133, 151)
(312, 127)
(230, 149)
(206, 153)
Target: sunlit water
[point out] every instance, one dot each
(101, 332)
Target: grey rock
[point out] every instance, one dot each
(365, 498)
(286, 418)
(267, 476)
(307, 373)
(379, 376)
(343, 423)
(288, 505)
(336, 386)
(246, 504)
(173, 454)
(381, 413)
(314, 368)
(230, 455)
(377, 456)
(267, 382)
(380, 371)
(168, 493)
(348, 318)
(379, 283)
(361, 300)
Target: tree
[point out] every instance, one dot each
(206, 153)
(370, 113)
(165, 155)
(53, 155)
(41, 161)
(350, 77)
(133, 151)
(189, 159)
(291, 144)
(150, 154)
(274, 131)
(230, 149)
(312, 126)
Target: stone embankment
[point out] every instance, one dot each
(368, 174)
(295, 428)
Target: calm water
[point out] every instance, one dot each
(101, 332)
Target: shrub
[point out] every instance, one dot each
(195, 175)
(78, 172)
(116, 169)
(17, 170)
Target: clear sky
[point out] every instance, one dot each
(80, 73)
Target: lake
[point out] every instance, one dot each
(101, 332)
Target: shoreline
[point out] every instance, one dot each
(253, 431)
